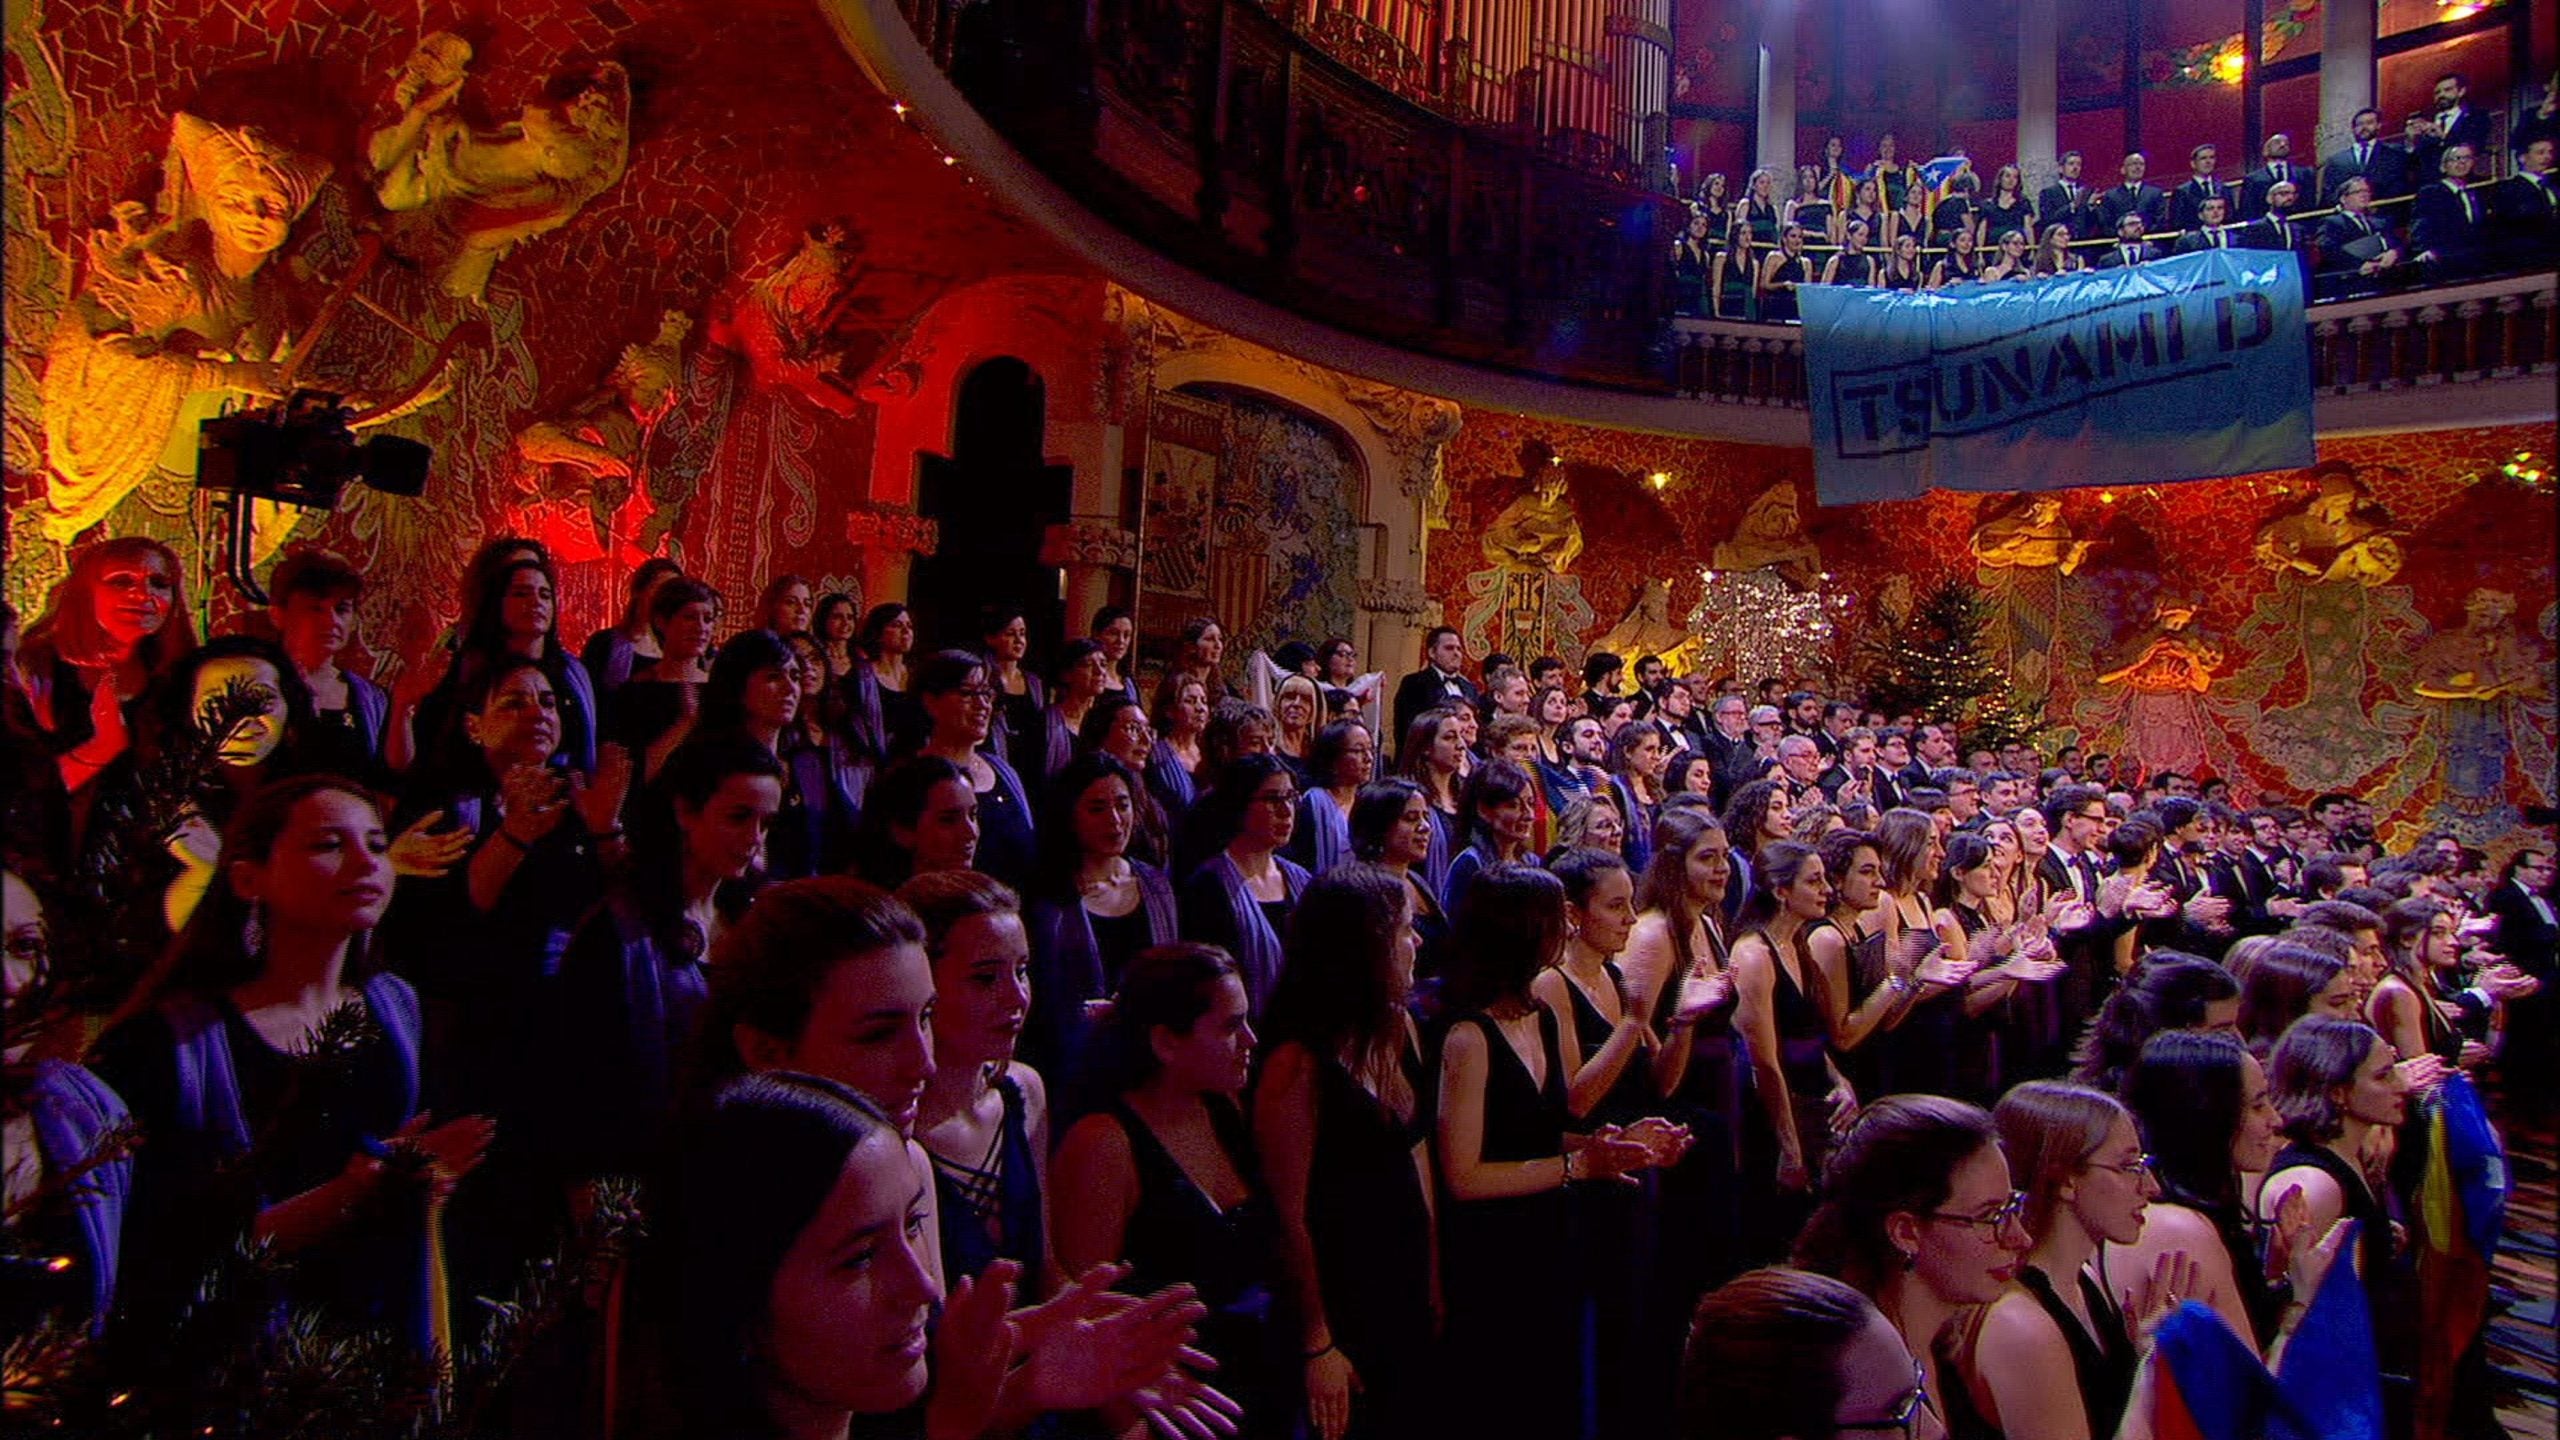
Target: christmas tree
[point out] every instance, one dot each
(1935, 664)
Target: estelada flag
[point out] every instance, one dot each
(2462, 1196)
(2208, 1384)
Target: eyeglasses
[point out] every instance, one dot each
(2137, 1167)
(1905, 1417)
(1280, 798)
(2097, 815)
(979, 694)
(2011, 1212)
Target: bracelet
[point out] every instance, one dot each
(1313, 1356)
(509, 836)
(1569, 1157)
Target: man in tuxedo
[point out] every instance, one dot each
(2186, 204)
(2130, 248)
(2358, 253)
(2077, 816)
(1438, 682)
(2134, 197)
(2526, 208)
(1859, 776)
(2450, 230)
(2276, 229)
(2068, 200)
(1728, 744)
(2275, 162)
(2366, 158)
(2209, 231)
(2527, 933)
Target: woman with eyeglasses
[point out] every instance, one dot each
(1778, 1354)
(960, 708)
(1239, 900)
(1117, 726)
(1918, 1215)
(1343, 759)
(2055, 1355)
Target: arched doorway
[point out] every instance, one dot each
(994, 498)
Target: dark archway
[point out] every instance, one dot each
(994, 498)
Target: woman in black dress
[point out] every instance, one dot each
(1515, 1291)
(1802, 1097)
(1781, 273)
(1391, 828)
(1855, 264)
(1343, 1117)
(1004, 637)
(1094, 907)
(2007, 207)
(959, 707)
(1691, 255)
(1962, 264)
(656, 709)
(1919, 1055)
(1759, 208)
(1811, 208)
(1165, 1179)
(1904, 271)
(2056, 1353)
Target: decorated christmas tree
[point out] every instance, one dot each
(1936, 663)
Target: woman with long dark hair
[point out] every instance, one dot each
(1117, 726)
(1802, 1096)
(959, 708)
(1434, 756)
(1782, 1353)
(1240, 898)
(1919, 1215)
(1094, 909)
(115, 621)
(2166, 991)
(1924, 1053)
(1342, 1115)
(1004, 637)
(755, 690)
(1639, 756)
(509, 608)
(1514, 1283)
(1756, 815)
(1391, 828)
(1116, 631)
(2006, 956)
(887, 642)
(255, 1137)
(1164, 1178)
(661, 703)
(637, 973)
(2287, 982)
(833, 625)
(1867, 988)
(1201, 655)
(611, 654)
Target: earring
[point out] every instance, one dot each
(1910, 1259)
(253, 930)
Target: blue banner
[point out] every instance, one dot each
(2181, 369)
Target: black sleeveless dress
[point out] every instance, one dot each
(1515, 1297)
(1858, 268)
(2102, 1364)
(1701, 1196)
(1921, 1055)
(1179, 1234)
(1371, 1224)
(1780, 305)
(1620, 1239)
(1804, 1045)
(990, 1210)
(2390, 1285)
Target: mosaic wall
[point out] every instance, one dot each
(2383, 623)
(669, 242)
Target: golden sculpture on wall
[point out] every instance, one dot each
(2031, 535)
(2486, 659)
(784, 323)
(1771, 537)
(2342, 534)
(1538, 530)
(467, 195)
(179, 313)
(605, 439)
(2168, 657)
(1647, 629)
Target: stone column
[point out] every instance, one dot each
(2039, 88)
(889, 537)
(1093, 552)
(1777, 92)
(2346, 73)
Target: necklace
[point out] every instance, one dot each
(1120, 875)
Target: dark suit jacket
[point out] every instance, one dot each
(2523, 936)
(2338, 267)
(2453, 224)
(1424, 689)
(2195, 240)
(2527, 225)
(2296, 236)
(2255, 185)
(2186, 203)
(2117, 202)
(2470, 127)
(2113, 257)
(2387, 166)
(2055, 206)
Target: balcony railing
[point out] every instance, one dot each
(1223, 137)
(2499, 329)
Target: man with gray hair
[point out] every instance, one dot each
(1755, 754)
(1801, 759)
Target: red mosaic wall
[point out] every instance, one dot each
(2315, 690)
(749, 122)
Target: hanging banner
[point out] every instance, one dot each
(2180, 369)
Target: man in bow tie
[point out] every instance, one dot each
(2276, 163)
(2367, 157)
(2187, 205)
(2134, 197)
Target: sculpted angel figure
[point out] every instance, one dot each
(471, 195)
(604, 441)
(180, 311)
(2343, 534)
(2032, 536)
(1771, 537)
(783, 323)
